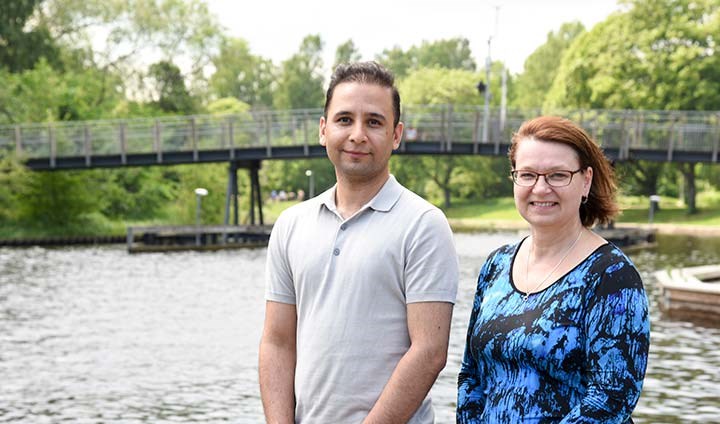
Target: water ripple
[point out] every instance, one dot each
(91, 335)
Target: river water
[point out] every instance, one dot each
(94, 335)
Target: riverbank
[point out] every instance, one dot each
(474, 225)
(498, 214)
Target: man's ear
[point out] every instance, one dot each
(397, 135)
(321, 131)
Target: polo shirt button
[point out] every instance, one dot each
(343, 227)
(336, 252)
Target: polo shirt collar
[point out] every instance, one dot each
(383, 201)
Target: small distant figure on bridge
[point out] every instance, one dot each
(564, 306)
(361, 279)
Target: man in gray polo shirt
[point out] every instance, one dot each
(361, 280)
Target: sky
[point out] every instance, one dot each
(275, 28)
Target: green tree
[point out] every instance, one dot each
(541, 66)
(62, 202)
(290, 175)
(112, 36)
(22, 46)
(12, 177)
(345, 53)
(240, 74)
(300, 83)
(138, 193)
(45, 94)
(658, 54)
(449, 175)
(228, 106)
(169, 84)
(397, 60)
(452, 53)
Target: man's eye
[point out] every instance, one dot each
(527, 175)
(344, 120)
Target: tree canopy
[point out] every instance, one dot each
(659, 54)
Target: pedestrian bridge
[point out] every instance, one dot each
(258, 135)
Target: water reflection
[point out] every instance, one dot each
(96, 335)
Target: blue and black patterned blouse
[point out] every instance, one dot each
(575, 352)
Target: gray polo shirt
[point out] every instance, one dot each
(351, 281)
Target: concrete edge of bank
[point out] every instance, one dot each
(457, 224)
(470, 225)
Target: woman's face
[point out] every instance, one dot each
(543, 205)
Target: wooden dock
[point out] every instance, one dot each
(193, 237)
(691, 293)
(628, 238)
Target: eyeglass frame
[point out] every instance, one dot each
(513, 177)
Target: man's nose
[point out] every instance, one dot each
(358, 133)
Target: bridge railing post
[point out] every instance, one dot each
(624, 146)
(157, 140)
(306, 137)
(123, 143)
(231, 136)
(716, 145)
(449, 128)
(442, 129)
(268, 134)
(18, 141)
(53, 145)
(671, 135)
(639, 127)
(193, 138)
(476, 131)
(87, 145)
(496, 137)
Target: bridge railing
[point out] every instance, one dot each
(668, 131)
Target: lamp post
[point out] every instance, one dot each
(311, 184)
(486, 109)
(199, 194)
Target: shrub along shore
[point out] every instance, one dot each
(487, 215)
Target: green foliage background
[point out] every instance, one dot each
(652, 54)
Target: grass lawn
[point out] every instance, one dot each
(634, 210)
(469, 215)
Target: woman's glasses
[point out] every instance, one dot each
(558, 178)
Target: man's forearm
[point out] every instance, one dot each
(277, 379)
(408, 386)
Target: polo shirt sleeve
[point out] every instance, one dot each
(279, 286)
(431, 263)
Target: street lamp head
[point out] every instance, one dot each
(308, 173)
(201, 191)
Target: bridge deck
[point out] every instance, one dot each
(268, 135)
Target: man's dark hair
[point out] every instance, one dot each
(368, 73)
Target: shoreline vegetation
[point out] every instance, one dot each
(497, 214)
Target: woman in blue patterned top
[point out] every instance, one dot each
(559, 331)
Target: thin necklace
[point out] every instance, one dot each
(527, 266)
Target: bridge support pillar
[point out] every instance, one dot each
(231, 198)
(231, 195)
(255, 195)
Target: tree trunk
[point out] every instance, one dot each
(688, 171)
(443, 171)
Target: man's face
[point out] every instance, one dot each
(358, 133)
